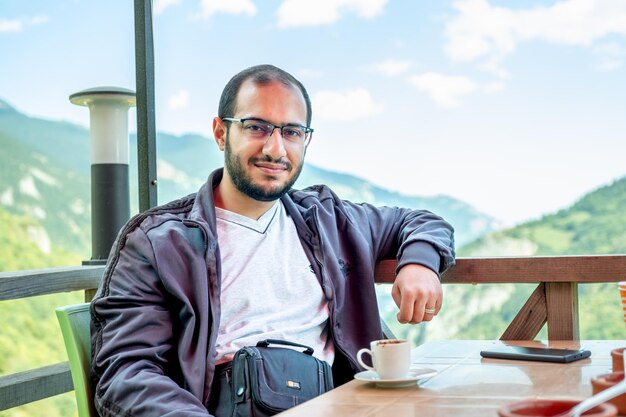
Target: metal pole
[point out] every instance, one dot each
(146, 130)
(110, 196)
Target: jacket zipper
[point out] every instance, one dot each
(193, 223)
(316, 254)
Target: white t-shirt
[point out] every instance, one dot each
(269, 289)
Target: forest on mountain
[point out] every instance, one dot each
(594, 225)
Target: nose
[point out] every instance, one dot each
(275, 145)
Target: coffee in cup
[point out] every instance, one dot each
(391, 358)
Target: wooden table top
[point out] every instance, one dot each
(466, 384)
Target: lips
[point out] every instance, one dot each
(271, 168)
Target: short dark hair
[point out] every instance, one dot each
(259, 75)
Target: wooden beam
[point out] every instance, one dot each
(23, 284)
(531, 317)
(562, 303)
(534, 269)
(25, 387)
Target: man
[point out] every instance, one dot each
(248, 258)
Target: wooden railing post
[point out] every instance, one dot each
(562, 306)
(530, 319)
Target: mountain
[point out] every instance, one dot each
(46, 175)
(595, 224)
(184, 162)
(34, 187)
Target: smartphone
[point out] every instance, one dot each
(536, 354)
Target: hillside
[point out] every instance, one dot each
(53, 158)
(30, 335)
(596, 224)
(32, 185)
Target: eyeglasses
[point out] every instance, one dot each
(259, 129)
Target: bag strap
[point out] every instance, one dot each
(265, 343)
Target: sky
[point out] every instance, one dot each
(515, 107)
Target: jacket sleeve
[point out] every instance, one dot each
(133, 343)
(412, 236)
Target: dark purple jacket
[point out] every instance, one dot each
(155, 315)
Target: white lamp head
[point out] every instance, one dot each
(108, 113)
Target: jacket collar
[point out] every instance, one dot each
(204, 205)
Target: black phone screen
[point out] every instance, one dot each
(536, 354)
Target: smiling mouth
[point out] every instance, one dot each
(271, 168)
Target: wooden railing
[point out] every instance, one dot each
(48, 381)
(554, 301)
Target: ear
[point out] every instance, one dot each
(219, 132)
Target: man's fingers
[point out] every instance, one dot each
(418, 294)
(406, 305)
(395, 294)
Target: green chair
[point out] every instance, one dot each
(74, 321)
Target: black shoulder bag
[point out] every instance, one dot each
(269, 379)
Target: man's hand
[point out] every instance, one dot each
(417, 292)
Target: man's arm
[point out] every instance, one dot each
(133, 340)
(423, 244)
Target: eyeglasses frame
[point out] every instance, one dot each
(308, 132)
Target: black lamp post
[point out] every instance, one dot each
(110, 195)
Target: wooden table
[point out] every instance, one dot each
(466, 384)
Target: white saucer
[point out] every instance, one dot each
(410, 380)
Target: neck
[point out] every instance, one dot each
(228, 197)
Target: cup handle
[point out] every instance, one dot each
(358, 358)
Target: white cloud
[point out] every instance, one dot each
(179, 100)
(610, 56)
(159, 6)
(494, 67)
(391, 67)
(294, 13)
(494, 87)
(37, 20)
(17, 25)
(11, 25)
(345, 105)
(445, 90)
(483, 31)
(210, 7)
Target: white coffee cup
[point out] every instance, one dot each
(391, 358)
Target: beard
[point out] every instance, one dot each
(244, 183)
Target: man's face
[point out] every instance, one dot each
(265, 169)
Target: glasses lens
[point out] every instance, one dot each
(257, 129)
(293, 133)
